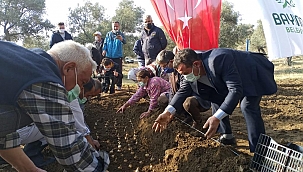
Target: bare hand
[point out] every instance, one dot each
(212, 124)
(103, 53)
(115, 73)
(119, 37)
(95, 144)
(40, 170)
(162, 121)
(122, 109)
(144, 114)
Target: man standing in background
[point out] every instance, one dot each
(113, 47)
(60, 35)
(153, 40)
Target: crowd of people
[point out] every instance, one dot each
(45, 106)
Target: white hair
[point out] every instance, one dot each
(71, 51)
(90, 46)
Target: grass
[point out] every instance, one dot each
(283, 71)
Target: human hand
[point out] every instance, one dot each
(144, 114)
(162, 121)
(212, 124)
(115, 73)
(103, 53)
(95, 144)
(39, 170)
(119, 37)
(122, 108)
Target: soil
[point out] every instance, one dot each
(133, 146)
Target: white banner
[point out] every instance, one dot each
(283, 27)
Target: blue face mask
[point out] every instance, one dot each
(168, 70)
(141, 84)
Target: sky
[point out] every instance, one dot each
(57, 10)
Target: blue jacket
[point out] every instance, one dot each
(56, 37)
(113, 46)
(233, 74)
(21, 68)
(153, 42)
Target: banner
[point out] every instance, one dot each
(283, 27)
(191, 24)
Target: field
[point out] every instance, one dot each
(133, 146)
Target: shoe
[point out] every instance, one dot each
(119, 88)
(225, 141)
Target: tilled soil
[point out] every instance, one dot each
(133, 146)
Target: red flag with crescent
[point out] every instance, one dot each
(191, 24)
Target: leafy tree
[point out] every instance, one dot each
(87, 19)
(22, 18)
(37, 41)
(258, 41)
(232, 34)
(129, 16)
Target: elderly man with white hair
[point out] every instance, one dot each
(37, 88)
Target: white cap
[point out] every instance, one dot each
(132, 74)
(97, 33)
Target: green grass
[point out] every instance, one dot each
(283, 71)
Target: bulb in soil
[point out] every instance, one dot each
(152, 159)
(119, 146)
(96, 123)
(135, 157)
(113, 156)
(120, 167)
(119, 150)
(122, 155)
(125, 160)
(147, 155)
(129, 149)
(112, 151)
(140, 162)
(130, 165)
(95, 127)
(119, 142)
(132, 153)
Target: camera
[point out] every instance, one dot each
(116, 33)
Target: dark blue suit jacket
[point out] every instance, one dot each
(233, 74)
(56, 37)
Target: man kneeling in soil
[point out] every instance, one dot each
(225, 77)
(193, 105)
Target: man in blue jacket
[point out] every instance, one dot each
(153, 40)
(225, 77)
(113, 47)
(60, 35)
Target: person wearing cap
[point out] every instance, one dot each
(113, 47)
(99, 42)
(60, 35)
(153, 40)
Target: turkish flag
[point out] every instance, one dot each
(191, 24)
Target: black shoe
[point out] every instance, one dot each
(225, 141)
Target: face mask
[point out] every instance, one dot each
(73, 93)
(192, 77)
(61, 30)
(141, 84)
(148, 25)
(83, 100)
(168, 70)
(107, 69)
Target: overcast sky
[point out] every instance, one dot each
(57, 10)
